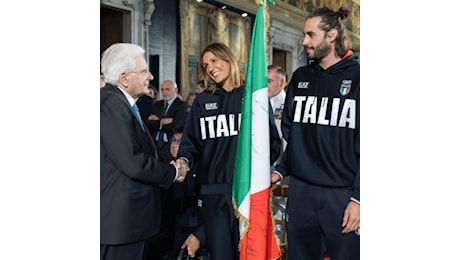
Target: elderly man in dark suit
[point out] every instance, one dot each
(167, 114)
(131, 175)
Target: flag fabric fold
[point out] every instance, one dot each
(251, 180)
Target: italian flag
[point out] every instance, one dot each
(251, 180)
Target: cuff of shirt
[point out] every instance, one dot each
(186, 160)
(355, 200)
(177, 171)
(277, 172)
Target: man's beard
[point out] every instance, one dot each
(321, 51)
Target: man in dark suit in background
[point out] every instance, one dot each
(131, 175)
(145, 103)
(168, 114)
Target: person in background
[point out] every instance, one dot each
(145, 103)
(153, 92)
(200, 87)
(276, 82)
(102, 82)
(322, 157)
(277, 95)
(167, 114)
(130, 173)
(189, 229)
(181, 224)
(210, 136)
(189, 100)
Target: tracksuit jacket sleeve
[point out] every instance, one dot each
(356, 184)
(199, 233)
(191, 143)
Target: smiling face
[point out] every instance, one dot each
(217, 69)
(136, 82)
(220, 68)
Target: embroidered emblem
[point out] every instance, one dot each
(345, 87)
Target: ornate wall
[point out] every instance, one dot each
(202, 24)
(352, 23)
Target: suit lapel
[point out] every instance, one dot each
(145, 137)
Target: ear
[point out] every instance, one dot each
(282, 82)
(123, 79)
(332, 35)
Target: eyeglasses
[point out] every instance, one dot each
(175, 140)
(143, 72)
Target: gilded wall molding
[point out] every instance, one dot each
(186, 9)
(293, 13)
(202, 24)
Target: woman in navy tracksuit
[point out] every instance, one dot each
(210, 136)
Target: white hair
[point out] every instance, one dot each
(119, 58)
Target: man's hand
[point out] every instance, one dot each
(166, 121)
(351, 217)
(153, 117)
(182, 169)
(275, 177)
(192, 243)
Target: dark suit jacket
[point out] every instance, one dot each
(145, 105)
(178, 112)
(131, 175)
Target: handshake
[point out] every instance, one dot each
(182, 167)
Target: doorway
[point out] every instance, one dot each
(111, 27)
(279, 58)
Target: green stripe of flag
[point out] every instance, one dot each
(256, 79)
